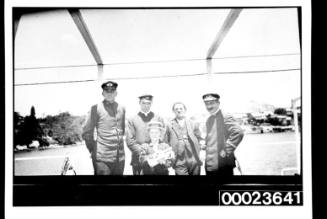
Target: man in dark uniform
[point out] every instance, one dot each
(223, 136)
(184, 137)
(137, 133)
(108, 118)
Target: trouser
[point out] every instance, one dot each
(137, 169)
(159, 169)
(108, 168)
(194, 169)
(225, 166)
(224, 172)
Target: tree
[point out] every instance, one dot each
(280, 111)
(18, 124)
(31, 129)
(64, 128)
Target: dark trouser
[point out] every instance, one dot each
(225, 166)
(136, 169)
(188, 170)
(108, 168)
(156, 170)
(224, 172)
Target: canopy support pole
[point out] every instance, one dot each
(100, 73)
(209, 71)
(297, 135)
(228, 23)
(82, 27)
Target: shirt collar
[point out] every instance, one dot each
(180, 122)
(146, 114)
(214, 113)
(106, 102)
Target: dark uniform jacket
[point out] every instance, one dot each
(109, 122)
(185, 146)
(222, 132)
(137, 133)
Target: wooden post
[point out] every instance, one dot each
(209, 72)
(100, 74)
(297, 135)
(227, 25)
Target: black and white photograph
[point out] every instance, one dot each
(176, 67)
(112, 102)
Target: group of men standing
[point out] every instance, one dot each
(223, 135)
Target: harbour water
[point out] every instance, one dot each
(258, 154)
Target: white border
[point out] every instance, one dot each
(299, 212)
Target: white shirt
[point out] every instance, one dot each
(146, 114)
(215, 112)
(181, 122)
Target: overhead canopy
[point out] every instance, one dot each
(85, 45)
(130, 35)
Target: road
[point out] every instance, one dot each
(258, 154)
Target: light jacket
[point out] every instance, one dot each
(137, 133)
(176, 138)
(109, 122)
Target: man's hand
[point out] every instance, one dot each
(229, 148)
(223, 153)
(143, 149)
(168, 163)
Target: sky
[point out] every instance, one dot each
(138, 47)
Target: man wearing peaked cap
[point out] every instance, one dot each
(146, 97)
(223, 136)
(137, 134)
(109, 86)
(210, 96)
(108, 118)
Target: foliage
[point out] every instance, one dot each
(64, 128)
(27, 129)
(280, 111)
(18, 127)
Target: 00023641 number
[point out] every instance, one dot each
(235, 198)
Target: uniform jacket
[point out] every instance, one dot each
(109, 122)
(175, 138)
(228, 134)
(137, 134)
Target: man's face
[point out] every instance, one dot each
(145, 105)
(212, 105)
(179, 111)
(109, 95)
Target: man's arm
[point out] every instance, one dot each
(123, 120)
(131, 138)
(168, 138)
(235, 133)
(165, 135)
(197, 132)
(88, 129)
